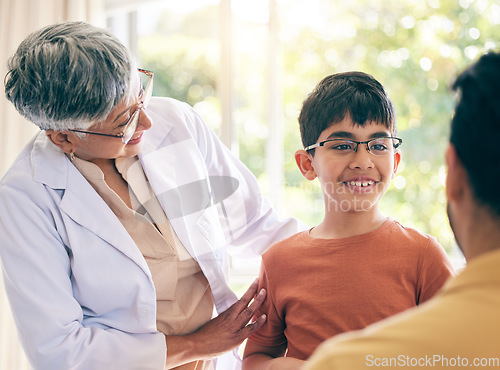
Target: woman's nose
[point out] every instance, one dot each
(145, 121)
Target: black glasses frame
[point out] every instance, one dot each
(398, 141)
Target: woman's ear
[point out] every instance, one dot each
(63, 140)
(304, 162)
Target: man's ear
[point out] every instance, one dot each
(304, 162)
(63, 140)
(456, 178)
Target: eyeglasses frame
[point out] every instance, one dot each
(131, 125)
(322, 143)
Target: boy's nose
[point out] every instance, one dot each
(362, 158)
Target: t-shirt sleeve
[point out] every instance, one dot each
(272, 332)
(435, 270)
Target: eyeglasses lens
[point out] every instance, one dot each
(147, 83)
(378, 147)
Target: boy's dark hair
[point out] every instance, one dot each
(475, 128)
(354, 94)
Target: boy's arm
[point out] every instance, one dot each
(259, 357)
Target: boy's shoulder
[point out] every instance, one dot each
(286, 245)
(406, 232)
(410, 241)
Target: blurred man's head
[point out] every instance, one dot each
(474, 157)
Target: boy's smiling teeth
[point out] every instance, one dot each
(359, 183)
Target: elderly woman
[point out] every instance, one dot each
(114, 230)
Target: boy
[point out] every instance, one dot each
(459, 327)
(357, 266)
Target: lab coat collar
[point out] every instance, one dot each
(157, 134)
(49, 164)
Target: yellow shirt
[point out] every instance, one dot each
(459, 327)
(184, 299)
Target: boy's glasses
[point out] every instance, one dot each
(131, 125)
(342, 147)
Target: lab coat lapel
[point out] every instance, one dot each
(169, 173)
(80, 202)
(91, 212)
(159, 171)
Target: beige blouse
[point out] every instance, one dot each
(184, 299)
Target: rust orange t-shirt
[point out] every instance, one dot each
(318, 288)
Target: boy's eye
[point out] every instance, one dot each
(343, 146)
(381, 145)
(378, 147)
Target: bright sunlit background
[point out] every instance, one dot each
(246, 67)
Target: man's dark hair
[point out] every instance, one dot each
(475, 128)
(354, 94)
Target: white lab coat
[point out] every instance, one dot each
(81, 292)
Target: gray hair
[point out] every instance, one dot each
(68, 76)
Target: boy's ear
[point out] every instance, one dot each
(304, 162)
(397, 160)
(62, 140)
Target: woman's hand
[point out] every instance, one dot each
(231, 328)
(260, 357)
(221, 334)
